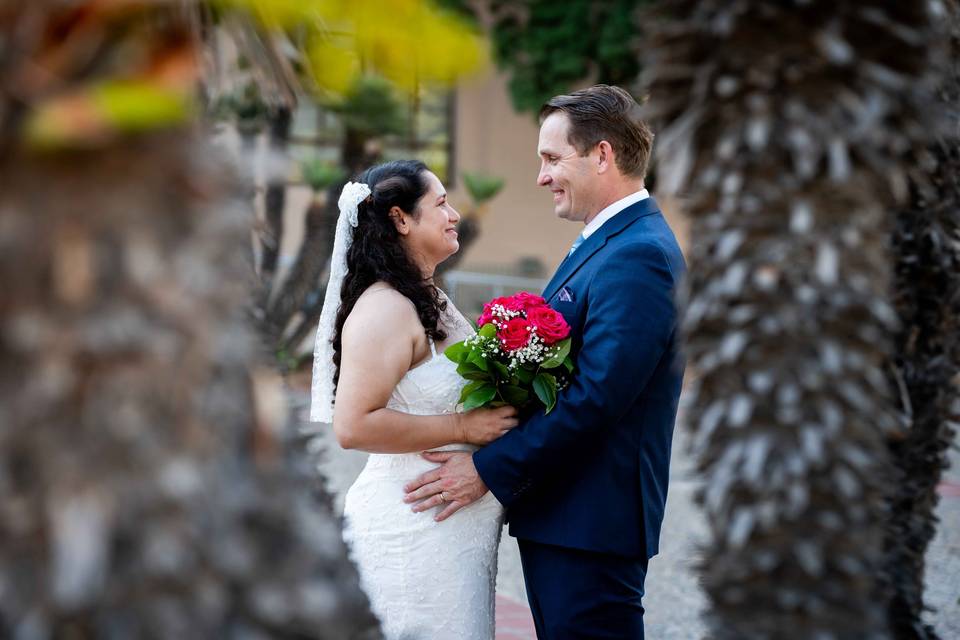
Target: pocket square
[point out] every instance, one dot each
(565, 295)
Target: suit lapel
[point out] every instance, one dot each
(593, 244)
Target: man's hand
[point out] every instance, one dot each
(456, 483)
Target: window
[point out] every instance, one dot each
(423, 129)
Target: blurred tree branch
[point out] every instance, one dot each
(549, 47)
(352, 59)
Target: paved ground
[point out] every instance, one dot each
(513, 620)
(943, 557)
(673, 600)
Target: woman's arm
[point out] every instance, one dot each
(378, 348)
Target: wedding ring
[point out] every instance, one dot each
(442, 499)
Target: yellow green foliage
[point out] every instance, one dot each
(121, 67)
(407, 41)
(110, 107)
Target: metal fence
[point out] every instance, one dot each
(469, 290)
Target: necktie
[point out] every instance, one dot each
(576, 243)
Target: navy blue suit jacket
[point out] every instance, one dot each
(592, 474)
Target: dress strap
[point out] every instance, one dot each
(433, 347)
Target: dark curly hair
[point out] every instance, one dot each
(376, 253)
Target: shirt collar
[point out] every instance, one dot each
(612, 210)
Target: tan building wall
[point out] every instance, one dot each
(492, 138)
(519, 223)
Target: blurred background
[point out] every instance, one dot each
(169, 173)
(479, 135)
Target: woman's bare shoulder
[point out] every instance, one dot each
(382, 306)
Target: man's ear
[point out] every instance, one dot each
(399, 219)
(604, 157)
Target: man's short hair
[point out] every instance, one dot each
(602, 112)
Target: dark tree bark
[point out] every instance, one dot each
(785, 126)
(150, 486)
(926, 244)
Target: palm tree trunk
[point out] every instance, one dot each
(149, 484)
(927, 361)
(146, 468)
(784, 127)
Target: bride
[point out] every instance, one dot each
(379, 353)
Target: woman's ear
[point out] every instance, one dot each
(399, 219)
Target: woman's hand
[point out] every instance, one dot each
(482, 426)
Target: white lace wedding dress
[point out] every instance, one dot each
(426, 580)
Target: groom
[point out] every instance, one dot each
(585, 486)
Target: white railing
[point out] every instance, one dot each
(470, 289)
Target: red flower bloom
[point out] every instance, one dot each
(485, 318)
(515, 334)
(551, 326)
(510, 303)
(527, 301)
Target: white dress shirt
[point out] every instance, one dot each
(612, 210)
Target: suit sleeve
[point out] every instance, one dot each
(630, 319)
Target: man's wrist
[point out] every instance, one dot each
(476, 472)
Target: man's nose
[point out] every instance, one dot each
(543, 179)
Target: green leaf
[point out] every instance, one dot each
(517, 396)
(545, 386)
(482, 187)
(320, 174)
(471, 371)
(480, 397)
(501, 369)
(525, 375)
(371, 107)
(488, 330)
(478, 360)
(468, 367)
(557, 359)
(470, 388)
(568, 363)
(457, 352)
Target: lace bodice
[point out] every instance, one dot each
(426, 580)
(431, 388)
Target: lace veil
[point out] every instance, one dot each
(322, 393)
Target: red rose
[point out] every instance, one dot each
(527, 301)
(509, 303)
(515, 334)
(485, 318)
(551, 326)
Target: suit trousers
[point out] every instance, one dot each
(583, 595)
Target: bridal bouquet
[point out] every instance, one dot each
(519, 355)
